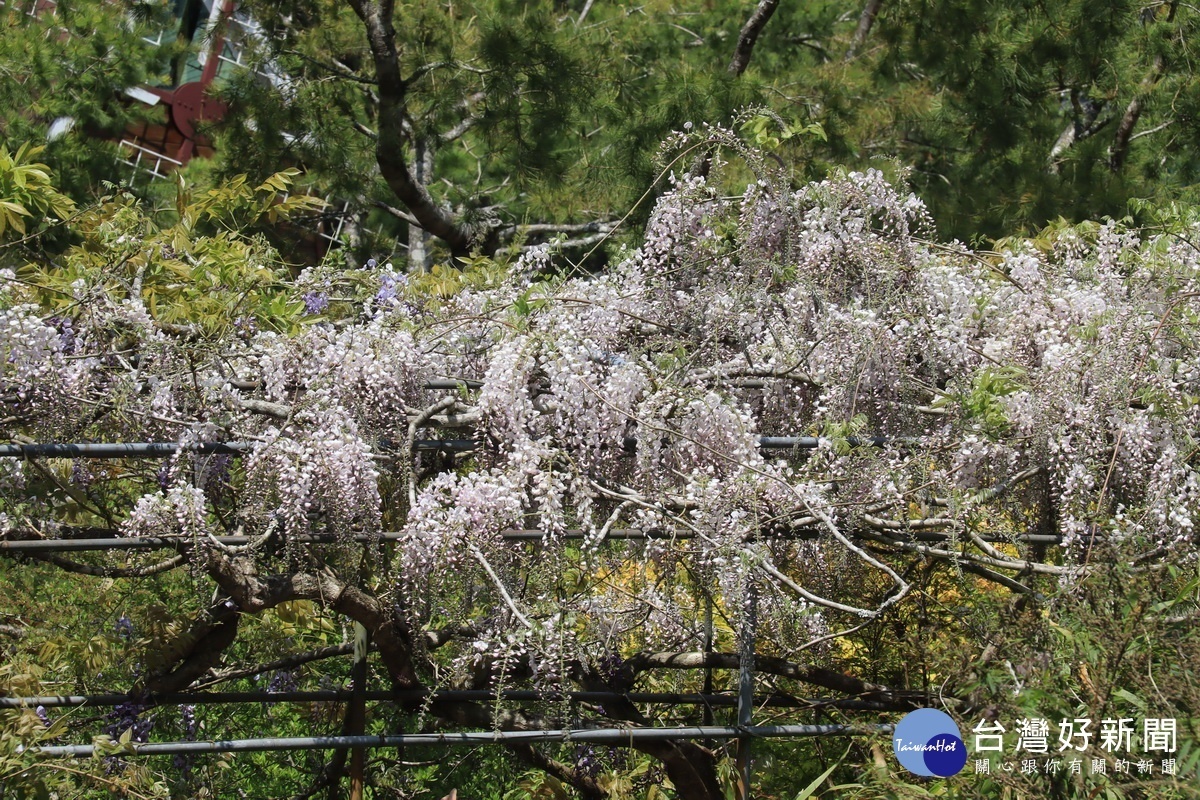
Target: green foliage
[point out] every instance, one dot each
(26, 191)
(766, 131)
(1000, 87)
(199, 270)
(70, 644)
(984, 404)
(842, 434)
(236, 205)
(1007, 114)
(71, 64)
(526, 114)
(811, 789)
(1116, 645)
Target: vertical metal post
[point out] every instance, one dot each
(707, 714)
(216, 46)
(745, 706)
(356, 715)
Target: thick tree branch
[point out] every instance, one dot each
(749, 36)
(396, 212)
(587, 786)
(1016, 565)
(195, 652)
(865, 22)
(741, 369)
(468, 121)
(392, 142)
(237, 577)
(602, 230)
(1086, 123)
(266, 408)
(456, 132)
(110, 572)
(598, 226)
(1129, 120)
(582, 241)
(1133, 112)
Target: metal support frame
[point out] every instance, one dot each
(609, 736)
(745, 706)
(418, 696)
(744, 731)
(167, 449)
(116, 542)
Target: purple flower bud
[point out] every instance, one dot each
(388, 288)
(245, 328)
(164, 476)
(80, 474)
(125, 627)
(187, 714)
(315, 303)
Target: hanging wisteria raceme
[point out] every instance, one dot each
(1051, 388)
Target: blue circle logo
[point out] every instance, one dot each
(927, 742)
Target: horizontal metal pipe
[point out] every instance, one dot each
(161, 542)
(118, 449)
(417, 696)
(813, 442)
(166, 449)
(84, 545)
(531, 535)
(453, 383)
(613, 736)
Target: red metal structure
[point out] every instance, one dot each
(159, 147)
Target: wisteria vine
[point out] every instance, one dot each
(1052, 388)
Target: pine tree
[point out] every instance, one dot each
(484, 124)
(64, 72)
(1015, 114)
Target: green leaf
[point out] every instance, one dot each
(811, 789)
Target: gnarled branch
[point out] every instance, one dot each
(749, 35)
(392, 141)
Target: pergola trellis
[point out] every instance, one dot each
(94, 539)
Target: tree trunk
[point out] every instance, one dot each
(749, 35)
(392, 143)
(1129, 120)
(418, 238)
(865, 22)
(1133, 112)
